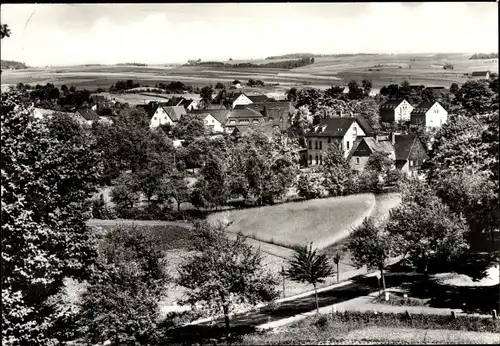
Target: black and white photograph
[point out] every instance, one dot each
(253, 173)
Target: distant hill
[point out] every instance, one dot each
(15, 65)
(478, 56)
(131, 64)
(310, 55)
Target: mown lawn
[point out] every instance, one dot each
(321, 221)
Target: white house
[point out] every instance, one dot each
(166, 115)
(429, 114)
(239, 99)
(341, 131)
(395, 111)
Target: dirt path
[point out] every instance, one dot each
(97, 222)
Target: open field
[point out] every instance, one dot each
(424, 69)
(322, 221)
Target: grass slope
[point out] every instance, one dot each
(322, 221)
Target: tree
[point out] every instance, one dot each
(121, 302)
(174, 186)
(355, 92)
(311, 98)
(336, 260)
(309, 266)
(368, 109)
(371, 247)
(310, 185)
(301, 123)
(224, 272)
(475, 96)
(425, 228)
(334, 92)
(236, 82)
(251, 82)
(206, 94)
(48, 178)
(291, 95)
(367, 86)
(4, 31)
(404, 89)
(189, 127)
(380, 162)
(220, 85)
(212, 189)
(125, 195)
(454, 88)
(336, 171)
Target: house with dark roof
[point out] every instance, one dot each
(189, 104)
(340, 131)
(86, 116)
(410, 153)
(407, 151)
(100, 102)
(395, 111)
(268, 129)
(480, 75)
(277, 113)
(429, 115)
(163, 114)
(242, 116)
(364, 147)
(234, 99)
(258, 98)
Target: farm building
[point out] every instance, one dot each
(242, 116)
(340, 130)
(407, 151)
(395, 111)
(480, 75)
(429, 114)
(166, 115)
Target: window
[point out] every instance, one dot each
(316, 159)
(329, 140)
(310, 158)
(320, 160)
(310, 146)
(320, 145)
(357, 160)
(232, 121)
(355, 130)
(347, 144)
(255, 121)
(411, 162)
(316, 147)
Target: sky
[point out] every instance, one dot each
(71, 34)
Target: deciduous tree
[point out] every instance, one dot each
(224, 272)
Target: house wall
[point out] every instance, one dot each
(242, 100)
(160, 117)
(417, 156)
(436, 116)
(360, 157)
(213, 124)
(403, 111)
(323, 142)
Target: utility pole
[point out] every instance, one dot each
(283, 274)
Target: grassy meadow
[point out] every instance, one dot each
(424, 69)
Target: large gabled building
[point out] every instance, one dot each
(429, 115)
(394, 111)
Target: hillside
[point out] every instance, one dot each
(15, 65)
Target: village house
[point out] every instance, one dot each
(237, 99)
(395, 111)
(242, 116)
(189, 104)
(86, 116)
(343, 131)
(480, 75)
(407, 151)
(277, 113)
(163, 114)
(100, 103)
(212, 118)
(429, 114)
(257, 98)
(267, 129)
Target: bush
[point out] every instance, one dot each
(322, 322)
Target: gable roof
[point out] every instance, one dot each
(403, 145)
(219, 114)
(479, 73)
(423, 107)
(382, 145)
(231, 97)
(175, 112)
(244, 112)
(98, 98)
(390, 104)
(364, 125)
(185, 103)
(334, 127)
(257, 98)
(88, 114)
